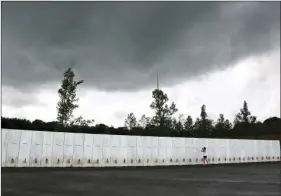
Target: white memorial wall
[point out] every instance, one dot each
(22, 148)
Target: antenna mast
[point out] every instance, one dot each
(72, 64)
(157, 82)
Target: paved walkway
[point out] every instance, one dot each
(231, 180)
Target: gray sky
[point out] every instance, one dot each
(122, 45)
(119, 47)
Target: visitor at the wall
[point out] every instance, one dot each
(205, 157)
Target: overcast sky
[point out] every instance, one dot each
(217, 54)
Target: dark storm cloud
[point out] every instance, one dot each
(122, 45)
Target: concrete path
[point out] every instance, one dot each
(231, 180)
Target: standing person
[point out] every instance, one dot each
(205, 157)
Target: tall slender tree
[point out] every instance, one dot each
(245, 113)
(188, 125)
(244, 116)
(68, 98)
(203, 125)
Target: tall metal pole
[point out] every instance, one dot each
(157, 82)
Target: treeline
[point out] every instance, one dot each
(220, 129)
(163, 123)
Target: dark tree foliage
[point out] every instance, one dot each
(245, 123)
(203, 125)
(269, 129)
(222, 127)
(188, 125)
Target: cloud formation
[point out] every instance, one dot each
(123, 45)
(221, 92)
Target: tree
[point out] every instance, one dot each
(227, 125)
(222, 126)
(80, 121)
(68, 99)
(163, 112)
(188, 125)
(203, 113)
(203, 125)
(245, 113)
(197, 124)
(237, 119)
(221, 122)
(244, 122)
(244, 116)
(272, 125)
(130, 121)
(253, 119)
(178, 124)
(144, 121)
